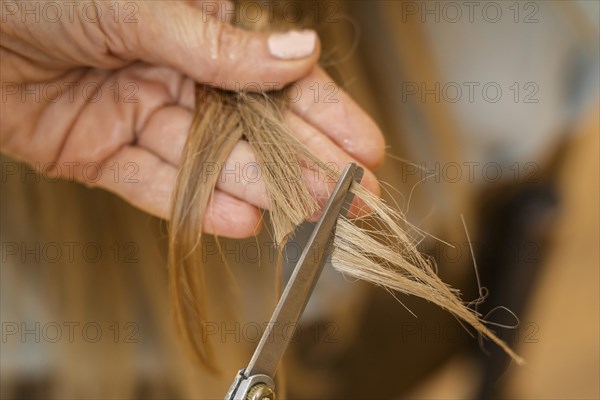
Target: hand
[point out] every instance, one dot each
(106, 97)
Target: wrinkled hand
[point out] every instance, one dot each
(105, 96)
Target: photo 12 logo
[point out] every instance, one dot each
(252, 332)
(253, 12)
(83, 253)
(471, 11)
(69, 332)
(70, 92)
(70, 11)
(89, 172)
(470, 92)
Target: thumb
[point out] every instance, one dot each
(214, 52)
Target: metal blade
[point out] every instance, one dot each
(285, 318)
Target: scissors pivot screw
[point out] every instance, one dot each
(260, 391)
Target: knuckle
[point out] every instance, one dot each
(225, 43)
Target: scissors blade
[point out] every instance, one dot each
(289, 309)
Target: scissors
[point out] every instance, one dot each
(255, 382)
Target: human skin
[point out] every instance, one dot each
(116, 91)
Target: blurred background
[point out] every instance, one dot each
(491, 115)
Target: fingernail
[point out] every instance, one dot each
(293, 44)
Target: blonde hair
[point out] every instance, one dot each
(380, 248)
